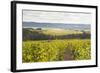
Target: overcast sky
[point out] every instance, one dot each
(56, 17)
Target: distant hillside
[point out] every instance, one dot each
(35, 34)
(56, 25)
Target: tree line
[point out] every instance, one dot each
(36, 35)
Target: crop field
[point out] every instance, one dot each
(56, 50)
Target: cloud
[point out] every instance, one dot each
(56, 17)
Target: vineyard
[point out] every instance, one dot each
(56, 50)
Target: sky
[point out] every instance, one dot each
(56, 17)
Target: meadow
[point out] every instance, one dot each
(55, 45)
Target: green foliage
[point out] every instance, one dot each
(56, 50)
(30, 34)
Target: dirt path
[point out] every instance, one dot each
(68, 55)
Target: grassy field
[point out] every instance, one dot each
(56, 50)
(58, 31)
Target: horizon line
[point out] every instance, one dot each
(54, 22)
